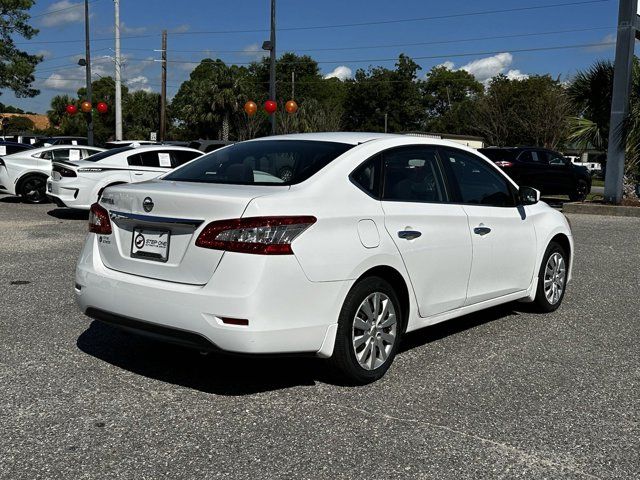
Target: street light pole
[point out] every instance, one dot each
(118, 109)
(89, 115)
(272, 64)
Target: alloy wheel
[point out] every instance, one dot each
(554, 278)
(375, 329)
(33, 190)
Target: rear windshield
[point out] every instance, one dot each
(268, 162)
(107, 153)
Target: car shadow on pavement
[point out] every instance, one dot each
(234, 375)
(426, 335)
(215, 373)
(10, 199)
(68, 214)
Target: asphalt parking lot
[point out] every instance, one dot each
(504, 393)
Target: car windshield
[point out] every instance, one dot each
(268, 162)
(102, 155)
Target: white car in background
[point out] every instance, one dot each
(25, 173)
(79, 184)
(371, 236)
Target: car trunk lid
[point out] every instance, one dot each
(155, 225)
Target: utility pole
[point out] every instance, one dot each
(89, 115)
(163, 92)
(627, 32)
(118, 109)
(272, 65)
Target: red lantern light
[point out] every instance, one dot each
(291, 106)
(270, 106)
(102, 107)
(85, 106)
(71, 109)
(250, 108)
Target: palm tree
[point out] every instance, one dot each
(590, 92)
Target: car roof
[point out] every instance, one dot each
(352, 138)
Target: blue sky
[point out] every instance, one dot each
(61, 37)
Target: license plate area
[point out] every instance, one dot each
(150, 244)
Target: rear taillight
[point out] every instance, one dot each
(504, 163)
(99, 220)
(258, 235)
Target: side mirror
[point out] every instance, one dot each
(529, 195)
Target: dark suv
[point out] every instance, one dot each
(548, 171)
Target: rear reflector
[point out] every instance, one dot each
(504, 163)
(99, 220)
(257, 235)
(235, 321)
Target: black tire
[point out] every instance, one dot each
(581, 191)
(541, 302)
(344, 360)
(33, 189)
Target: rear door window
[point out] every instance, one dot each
(412, 174)
(180, 157)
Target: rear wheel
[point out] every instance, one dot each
(581, 191)
(369, 331)
(552, 278)
(33, 189)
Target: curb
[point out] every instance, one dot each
(595, 209)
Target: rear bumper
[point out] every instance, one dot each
(287, 313)
(67, 196)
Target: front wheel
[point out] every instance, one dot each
(552, 278)
(581, 191)
(369, 331)
(33, 189)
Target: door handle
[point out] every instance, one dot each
(482, 230)
(138, 174)
(409, 234)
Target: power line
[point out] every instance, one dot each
(424, 57)
(359, 24)
(393, 45)
(51, 12)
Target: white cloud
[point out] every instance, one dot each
(484, 69)
(124, 29)
(44, 53)
(180, 28)
(63, 13)
(139, 83)
(606, 43)
(516, 75)
(341, 73)
(254, 52)
(448, 65)
(59, 82)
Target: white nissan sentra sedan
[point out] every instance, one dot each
(372, 236)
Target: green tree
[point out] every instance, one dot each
(590, 93)
(449, 99)
(141, 114)
(531, 111)
(16, 66)
(210, 98)
(379, 91)
(102, 90)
